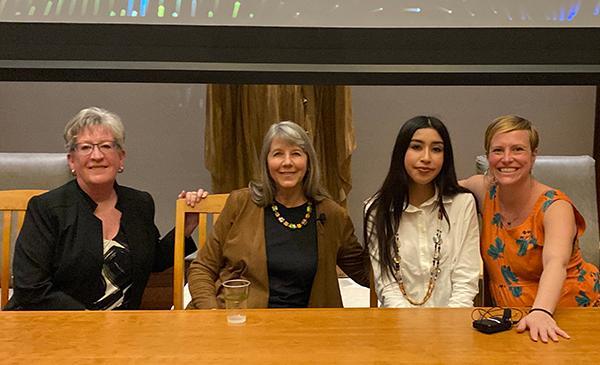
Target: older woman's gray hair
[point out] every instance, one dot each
(93, 116)
(263, 191)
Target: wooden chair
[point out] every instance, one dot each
(482, 299)
(373, 301)
(211, 206)
(12, 202)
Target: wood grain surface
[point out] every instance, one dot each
(292, 336)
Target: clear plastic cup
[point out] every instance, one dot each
(236, 300)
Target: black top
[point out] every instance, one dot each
(59, 256)
(291, 257)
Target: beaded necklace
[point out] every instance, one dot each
(435, 266)
(289, 225)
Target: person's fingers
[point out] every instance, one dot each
(552, 334)
(533, 333)
(541, 330)
(191, 198)
(544, 335)
(562, 333)
(521, 326)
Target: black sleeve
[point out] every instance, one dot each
(165, 247)
(32, 263)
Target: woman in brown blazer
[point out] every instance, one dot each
(283, 234)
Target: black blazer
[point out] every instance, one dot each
(58, 255)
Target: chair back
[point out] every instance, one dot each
(33, 170)
(13, 204)
(208, 210)
(373, 301)
(576, 177)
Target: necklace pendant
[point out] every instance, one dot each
(434, 273)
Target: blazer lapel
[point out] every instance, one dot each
(259, 256)
(83, 214)
(133, 227)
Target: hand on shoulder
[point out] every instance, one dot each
(478, 184)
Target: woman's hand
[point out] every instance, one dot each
(541, 326)
(191, 199)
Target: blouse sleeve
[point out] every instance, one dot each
(466, 272)
(165, 247)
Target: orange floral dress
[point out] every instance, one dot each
(513, 257)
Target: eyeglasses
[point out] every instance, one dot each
(87, 148)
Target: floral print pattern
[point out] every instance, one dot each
(496, 249)
(513, 257)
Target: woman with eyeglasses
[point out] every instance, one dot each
(91, 243)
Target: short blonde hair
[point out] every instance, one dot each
(263, 190)
(509, 123)
(93, 116)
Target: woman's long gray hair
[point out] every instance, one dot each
(263, 191)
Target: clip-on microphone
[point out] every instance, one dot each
(322, 218)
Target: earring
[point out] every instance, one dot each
(73, 172)
(121, 169)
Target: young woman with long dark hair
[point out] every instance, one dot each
(421, 226)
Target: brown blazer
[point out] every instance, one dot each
(236, 249)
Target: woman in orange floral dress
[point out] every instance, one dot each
(530, 232)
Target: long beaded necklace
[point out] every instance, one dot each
(435, 266)
(289, 225)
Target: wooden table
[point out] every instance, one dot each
(308, 336)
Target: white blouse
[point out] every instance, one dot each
(460, 262)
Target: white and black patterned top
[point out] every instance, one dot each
(116, 274)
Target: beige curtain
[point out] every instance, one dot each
(239, 115)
